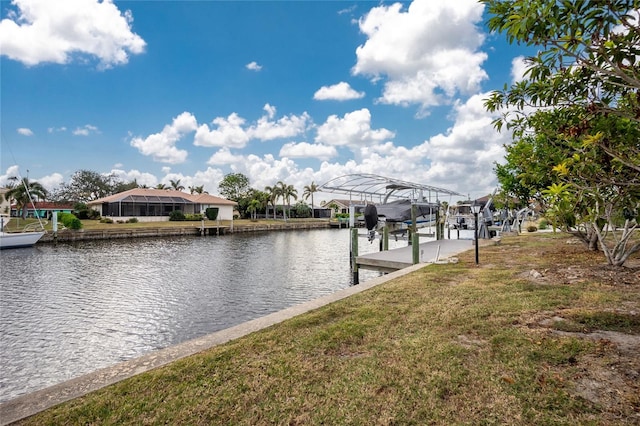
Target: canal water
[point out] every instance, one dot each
(67, 310)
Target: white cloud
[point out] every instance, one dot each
(50, 182)
(58, 31)
(228, 134)
(307, 150)
(161, 146)
(353, 130)
(142, 178)
(253, 66)
(427, 52)
(86, 130)
(231, 132)
(518, 67)
(224, 157)
(25, 132)
(56, 129)
(286, 127)
(338, 92)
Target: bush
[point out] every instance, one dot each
(531, 228)
(176, 215)
(212, 213)
(132, 220)
(543, 224)
(69, 220)
(196, 216)
(106, 220)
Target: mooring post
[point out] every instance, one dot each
(415, 248)
(385, 238)
(354, 255)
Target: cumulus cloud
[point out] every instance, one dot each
(161, 146)
(85, 130)
(25, 131)
(38, 31)
(56, 129)
(253, 66)
(518, 67)
(428, 53)
(224, 157)
(307, 150)
(353, 130)
(229, 133)
(286, 127)
(337, 92)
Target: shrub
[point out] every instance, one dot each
(531, 228)
(196, 216)
(543, 224)
(106, 220)
(132, 220)
(69, 220)
(176, 215)
(212, 213)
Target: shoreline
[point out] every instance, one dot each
(196, 229)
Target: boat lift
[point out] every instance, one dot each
(398, 203)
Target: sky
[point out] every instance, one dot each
(292, 91)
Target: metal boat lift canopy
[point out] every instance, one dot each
(374, 188)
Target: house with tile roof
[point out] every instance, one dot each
(155, 205)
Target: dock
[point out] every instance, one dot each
(400, 258)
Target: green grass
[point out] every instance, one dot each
(448, 344)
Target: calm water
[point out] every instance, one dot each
(67, 310)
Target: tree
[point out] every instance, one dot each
(234, 186)
(175, 184)
(197, 190)
(253, 207)
(302, 209)
(87, 185)
(24, 193)
(273, 194)
(580, 97)
(161, 186)
(586, 56)
(309, 190)
(287, 192)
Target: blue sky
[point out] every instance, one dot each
(297, 91)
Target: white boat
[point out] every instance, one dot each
(19, 239)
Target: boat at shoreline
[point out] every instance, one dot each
(25, 238)
(10, 240)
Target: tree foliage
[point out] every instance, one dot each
(87, 185)
(234, 186)
(25, 192)
(576, 115)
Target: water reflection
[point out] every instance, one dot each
(67, 310)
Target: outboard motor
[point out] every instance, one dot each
(371, 220)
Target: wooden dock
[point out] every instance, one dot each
(400, 258)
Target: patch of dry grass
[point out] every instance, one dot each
(448, 344)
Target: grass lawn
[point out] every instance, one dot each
(542, 332)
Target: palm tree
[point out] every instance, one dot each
(20, 193)
(197, 190)
(274, 193)
(161, 186)
(308, 192)
(287, 192)
(175, 184)
(253, 207)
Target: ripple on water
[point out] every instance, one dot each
(67, 310)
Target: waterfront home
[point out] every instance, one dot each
(155, 205)
(42, 209)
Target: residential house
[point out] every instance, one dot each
(149, 205)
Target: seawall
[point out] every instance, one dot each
(195, 229)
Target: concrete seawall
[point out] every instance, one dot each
(194, 229)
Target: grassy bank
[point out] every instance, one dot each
(542, 332)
